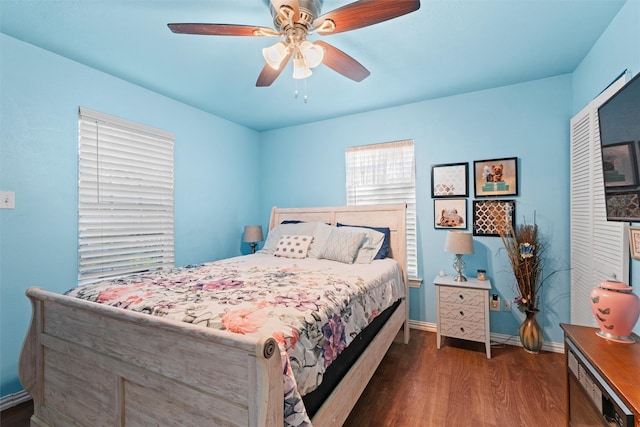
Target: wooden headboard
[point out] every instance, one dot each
(392, 216)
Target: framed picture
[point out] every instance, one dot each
(619, 165)
(622, 205)
(450, 213)
(496, 177)
(634, 241)
(492, 216)
(450, 180)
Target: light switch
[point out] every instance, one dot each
(7, 200)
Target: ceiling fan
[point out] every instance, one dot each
(294, 20)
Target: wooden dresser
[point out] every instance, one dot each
(616, 363)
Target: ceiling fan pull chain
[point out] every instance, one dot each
(305, 91)
(295, 92)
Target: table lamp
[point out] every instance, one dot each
(253, 235)
(459, 243)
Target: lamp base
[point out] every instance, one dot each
(458, 266)
(253, 247)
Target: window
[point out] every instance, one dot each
(382, 174)
(125, 197)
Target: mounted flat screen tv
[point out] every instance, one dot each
(619, 119)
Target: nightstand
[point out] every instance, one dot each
(463, 309)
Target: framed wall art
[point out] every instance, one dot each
(622, 205)
(496, 177)
(634, 241)
(619, 165)
(450, 213)
(492, 216)
(450, 180)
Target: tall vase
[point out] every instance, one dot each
(531, 333)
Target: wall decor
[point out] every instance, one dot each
(490, 216)
(496, 177)
(619, 165)
(450, 213)
(634, 241)
(450, 180)
(622, 205)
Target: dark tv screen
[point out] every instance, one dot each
(619, 120)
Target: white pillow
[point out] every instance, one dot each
(320, 236)
(295, 246)
(371, 245)
(278, 231)
(343, 245)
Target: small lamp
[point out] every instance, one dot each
(459, 243)
(253, 235)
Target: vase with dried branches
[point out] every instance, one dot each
(525, 251)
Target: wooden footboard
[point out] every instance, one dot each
(92, 365)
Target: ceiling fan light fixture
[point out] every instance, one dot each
(274, 55)
(300, 69)
(312, 54)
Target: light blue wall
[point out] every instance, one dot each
(528, 120)
(216, 171)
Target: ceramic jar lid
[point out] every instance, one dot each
(615, 286)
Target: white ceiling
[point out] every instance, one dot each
(447, 47)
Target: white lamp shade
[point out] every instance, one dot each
(300, 69)
(459, 242)
(275, 54)
(253, 233)
(312, 54)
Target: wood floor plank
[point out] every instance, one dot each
(457, 385)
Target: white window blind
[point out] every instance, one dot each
(125, 197)
(383, 174)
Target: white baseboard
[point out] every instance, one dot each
(11, 400)
(495, 338)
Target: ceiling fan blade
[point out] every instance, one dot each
(222, 30)
(364, 13)
(268, 74)
(293, 4)
(342, 63)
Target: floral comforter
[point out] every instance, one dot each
(313, 308)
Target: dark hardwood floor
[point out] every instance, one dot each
(418, 385)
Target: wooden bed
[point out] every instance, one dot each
(101, 365)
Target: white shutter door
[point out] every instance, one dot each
(599, 248)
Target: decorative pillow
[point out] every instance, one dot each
(343, 245)
(295, 246)
(278, 231)
(320, 236)
(372, 243)
(385, 250)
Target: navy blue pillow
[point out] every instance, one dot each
(386, 244)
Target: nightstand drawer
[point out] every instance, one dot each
(473, 331)
(454, 295)
(458, 312)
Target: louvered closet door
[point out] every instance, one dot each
(599, 248)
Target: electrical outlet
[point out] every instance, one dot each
(7, 200)
(507, 305)
(494, 302)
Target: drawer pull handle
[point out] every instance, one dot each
(461, 313)
(461, 329)
(461, 296)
